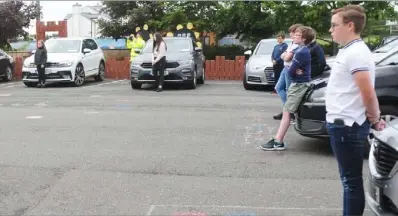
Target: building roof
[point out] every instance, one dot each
(85, 14)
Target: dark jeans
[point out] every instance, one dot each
(158, 69)
(277, 71)
(42, 74)
(348, 144)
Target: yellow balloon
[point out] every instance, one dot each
(137, 29)
(179, 26)
(145, 27)
(169, 34)
(197, 34)
(189, 26)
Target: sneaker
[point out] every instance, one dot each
(278, 117)
(273, 146)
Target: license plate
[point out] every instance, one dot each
(48, 71)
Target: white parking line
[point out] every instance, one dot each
(5, 95)
(34, 117)
(101, 84)
(10, 85)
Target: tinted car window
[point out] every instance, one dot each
(391, 60)
(387, 47)
(91, 44)
(172, 46)
(62, 46)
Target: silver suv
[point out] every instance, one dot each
(382, 194)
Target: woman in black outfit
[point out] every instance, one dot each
(40, 62)
(159, 60)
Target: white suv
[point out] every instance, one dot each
(68, 60)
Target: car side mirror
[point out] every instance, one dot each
(86, 50)
(33, 51)
(198, 49)
(248, 52)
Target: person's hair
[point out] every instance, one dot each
(293, 27)
(281, 35)
(42, 44)
(307, 33)
(313, 31)
(352, 13)
(157, 39)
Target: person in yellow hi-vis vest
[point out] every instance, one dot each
(129, 41)
(137, 44)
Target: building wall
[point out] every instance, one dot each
(80, 26)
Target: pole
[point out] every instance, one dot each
(38, 10)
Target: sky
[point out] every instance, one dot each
(57, 10)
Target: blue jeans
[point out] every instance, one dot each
(348, 144)
(282, 85)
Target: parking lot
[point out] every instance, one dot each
(105, 149)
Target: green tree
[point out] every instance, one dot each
(14, 16)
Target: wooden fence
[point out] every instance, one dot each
(117, 66)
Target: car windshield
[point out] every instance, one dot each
(63, 46)
(266, 47)
(387, 47)
(176, 45)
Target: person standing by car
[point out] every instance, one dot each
(159, 60)
(318, 61)
(40, 62)
(283, 82)
(351, 103)
(277, 61)
(298, 88)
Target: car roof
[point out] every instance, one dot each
(71, 38)
(274, 39)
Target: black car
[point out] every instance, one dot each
(311, 115)
(6, 66)
(185, 63)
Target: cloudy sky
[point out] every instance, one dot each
(57, 10)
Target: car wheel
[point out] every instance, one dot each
(245, 85)
(194, 80)
(388, 114)
(79, 75)
(202, 78)
(101, 72)
(30, 84)
(8, 74)
(135, 85)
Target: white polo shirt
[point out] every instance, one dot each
(343, 97)
(291, 47)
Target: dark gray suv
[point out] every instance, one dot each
(185, 63)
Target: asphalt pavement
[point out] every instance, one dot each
(105, 149)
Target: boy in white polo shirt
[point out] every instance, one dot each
(351, 103)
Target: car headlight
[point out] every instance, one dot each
(257, 67)
(318, 95)
(136, 63)
(186, 62)
(28, 64)
(65, 64)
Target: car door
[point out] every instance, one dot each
(199, 59)
(3, 63)
(87, 60)
(96, 55)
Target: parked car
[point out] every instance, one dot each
(311, 115)
(7, 66)
(382, 193)
(185, 63)
(70, 60)
(387, 40)
(259, 68)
